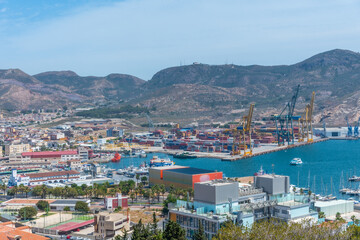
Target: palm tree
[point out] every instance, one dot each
(138, 178)
(3, 187)
(16, 190)
(353, 218)
(162, 190)
(26, 190)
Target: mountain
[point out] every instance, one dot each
(226, 90)
(201, 91)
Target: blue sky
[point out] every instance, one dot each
(141, 37)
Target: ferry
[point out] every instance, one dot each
(157, 162)
(296, 161)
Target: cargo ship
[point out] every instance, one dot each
(157, 162)
(116, 158)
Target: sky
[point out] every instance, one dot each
(141, 37)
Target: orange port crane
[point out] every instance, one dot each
(305, 122)
(240, 132)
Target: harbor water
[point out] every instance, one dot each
(325, 169)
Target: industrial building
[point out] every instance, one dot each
(180, 176)
(218, 201)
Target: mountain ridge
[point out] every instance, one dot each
(200, 90)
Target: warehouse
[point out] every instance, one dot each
(180, 176)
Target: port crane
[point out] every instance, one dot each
(349, 133)
(284, 122)
(240, 132)
(305, 122)
(356, 128)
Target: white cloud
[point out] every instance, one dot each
(2, 10)
(141, 37)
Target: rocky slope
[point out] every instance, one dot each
(201, 91)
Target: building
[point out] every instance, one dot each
(55, 204)
(33, 179)
(9, 231)
(13, 149)
(117, 201)
(60, 204)
(330, 208)
(218, 201)
(180, 176)
(49, 157)
(107, 225)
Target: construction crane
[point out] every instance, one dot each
(349, 133)
(356, 128)
(284, 123)
(240, 133)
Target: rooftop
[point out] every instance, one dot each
(51, 174)
(48, 153)
(9, 231)
(331, 203)
(271, 176)
(190, 171)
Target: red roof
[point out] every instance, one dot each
(48, 154)
(67, 227)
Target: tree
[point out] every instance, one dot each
(132, 196)
(27, 212)
(3, 188)
(200, 233)
(338, 217)
(82, 207)
(173, 231)
(140, 232)
(322, 215)
(67, 208)
(137, 177)
(353, 219)
(170, 199)
(42, 205)
(154, 223)
(143, 180)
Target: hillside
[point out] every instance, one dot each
(201, 91)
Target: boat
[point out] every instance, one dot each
(184, 155)
(296, 161)
(157, 162)
(260, 172)
(354, 179)
(116, 158)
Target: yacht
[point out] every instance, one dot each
(296, 161)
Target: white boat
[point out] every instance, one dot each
(296, 161)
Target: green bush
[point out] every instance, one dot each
(27, 212)
(42, 205)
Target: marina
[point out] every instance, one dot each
(321, 171)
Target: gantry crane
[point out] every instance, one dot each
(356, 128)
(240, 133)
(284, 123)
(349, 133)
